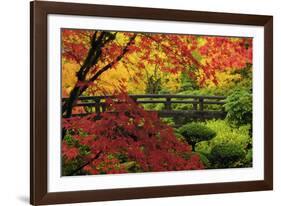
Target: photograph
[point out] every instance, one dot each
(135, 102)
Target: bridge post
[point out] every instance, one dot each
(135, 99)
(201, 107)
(201, 104)
(168, 104)
(103, 107)
(195, 104)
(97, 105)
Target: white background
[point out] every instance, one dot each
(14, 104)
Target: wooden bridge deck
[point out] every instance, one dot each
(197, 107)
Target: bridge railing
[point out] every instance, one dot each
(199, 106)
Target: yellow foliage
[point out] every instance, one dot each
(69, 79)
(226, 79)
(134, 80)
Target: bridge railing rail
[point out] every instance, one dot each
(199, 105)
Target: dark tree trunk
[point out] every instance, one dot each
(97, 43)
(193, 146)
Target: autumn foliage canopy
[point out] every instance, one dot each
(97, 54)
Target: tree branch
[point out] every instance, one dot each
(108, 66)
(91, 59)
(85, 164)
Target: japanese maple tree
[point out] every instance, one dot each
(125, 138)
(222, 53)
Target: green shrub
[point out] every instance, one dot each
(228, 135)
(227, 155)
(204, 160)
(239, 107)
(248, 160)
(225, 134)
(154, 107)
(196, 132)
(180, 106)
(169, 121)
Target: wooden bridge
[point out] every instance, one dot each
(176, 106)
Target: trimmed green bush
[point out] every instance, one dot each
(196, 132)
(227, 155)
(227, 135)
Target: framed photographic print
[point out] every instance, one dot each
(133, 102)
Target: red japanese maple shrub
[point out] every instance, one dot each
(125, 138)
